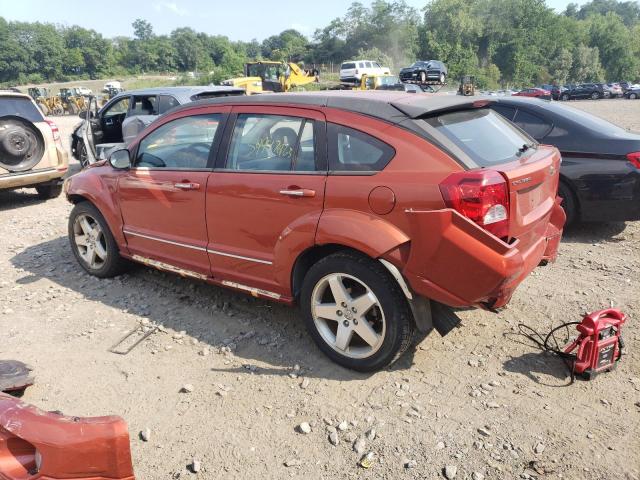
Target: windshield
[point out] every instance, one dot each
(268, 72)
(486, 137)
(420, 64)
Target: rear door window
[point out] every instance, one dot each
(368, 64)
(143, 105)
(20, 107)
(348, 66)
(355, 151)
(272, 143)
(167, 102)
(482, 134)
(533, 124)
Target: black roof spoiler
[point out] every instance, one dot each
(434, 105)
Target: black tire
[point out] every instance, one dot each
(400, 326)
(81, 148)
(21, 145)
(595, 96)
(569, 203)
(565, 97)
(114, 264)
(443, 78)
(423, 77)
(49, 190)
(632, 96)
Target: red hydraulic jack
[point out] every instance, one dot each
(599, 345)
(37, 445)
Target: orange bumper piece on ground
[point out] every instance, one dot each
(38, 445)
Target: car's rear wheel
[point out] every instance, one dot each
(569, 203)
(92, 242)
(49, 190)
(355, 312)
(443, 78)
(423, 77)
(595, 96)
(565, 97)
(633, 96)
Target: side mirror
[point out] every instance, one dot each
(120, 159)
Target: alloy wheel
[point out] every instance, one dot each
(90, 241)
(348, 315)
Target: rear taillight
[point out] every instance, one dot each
(634, 158)
(482, 196)
(54, 130)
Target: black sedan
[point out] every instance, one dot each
(600, 173)
(632, 93)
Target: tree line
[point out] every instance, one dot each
(501, 42)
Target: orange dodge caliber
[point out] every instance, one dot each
(377, 212)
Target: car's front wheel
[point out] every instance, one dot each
(633, 96)
(355, 312)
(565, 97)
(92, 242)
(423, 77)
(443, 78)
(595, 96)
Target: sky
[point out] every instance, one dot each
(239, 20)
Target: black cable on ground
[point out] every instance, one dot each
(544, 343)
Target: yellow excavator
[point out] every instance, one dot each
(267, 76)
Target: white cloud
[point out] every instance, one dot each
(172, 7)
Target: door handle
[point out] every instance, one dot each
(298, 192)
(187, 186)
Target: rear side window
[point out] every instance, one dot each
(20, 107)
(534, 125)
(347, 66)
(484, 135)
(355, 151)
(368, 64)
(167, 102)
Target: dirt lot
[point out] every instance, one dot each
(481, 400)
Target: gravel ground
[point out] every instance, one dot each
(479, 403)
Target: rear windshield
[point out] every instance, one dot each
(484, 135)
(346, 66)
(20, 107)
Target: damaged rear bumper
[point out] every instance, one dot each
(38, 445)
(463, 265)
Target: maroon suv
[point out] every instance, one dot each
(375, 211)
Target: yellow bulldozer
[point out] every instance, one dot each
(49, 104)
(267, 76)
(72, 101)
(467, 86)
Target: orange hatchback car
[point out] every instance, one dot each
(377, 212)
